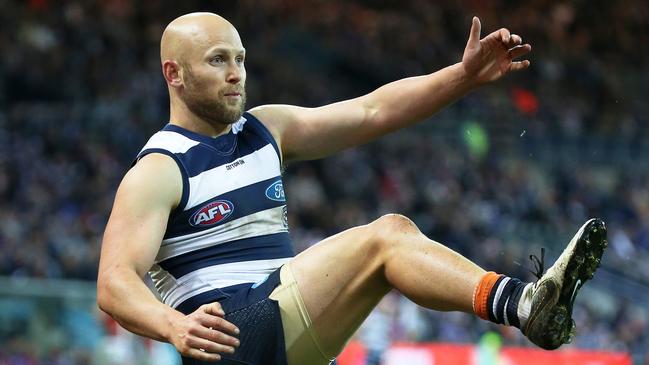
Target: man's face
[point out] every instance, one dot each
(214, 78)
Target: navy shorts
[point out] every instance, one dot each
(257, 317)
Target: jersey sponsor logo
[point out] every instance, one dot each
(235, 164)
(212, 213)
(276, 191)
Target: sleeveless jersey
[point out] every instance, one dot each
(231, 226)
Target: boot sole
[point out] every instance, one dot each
(584, 261)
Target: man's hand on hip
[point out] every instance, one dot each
(204, 334)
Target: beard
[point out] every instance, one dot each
(215, 110)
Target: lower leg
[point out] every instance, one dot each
(432, 275)
(439, 278)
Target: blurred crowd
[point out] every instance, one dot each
(508, 169)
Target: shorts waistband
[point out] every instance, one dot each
(235, 297)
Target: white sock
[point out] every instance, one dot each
(524, 305)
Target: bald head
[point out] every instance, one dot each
(193, 34)
(203, 62)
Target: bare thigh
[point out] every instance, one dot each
(341, 280)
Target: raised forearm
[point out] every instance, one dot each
(404, 102)
(124, 296)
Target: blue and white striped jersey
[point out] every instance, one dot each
(231, 226)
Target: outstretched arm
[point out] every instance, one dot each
(309, 133)
(149, 191)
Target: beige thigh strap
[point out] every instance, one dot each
(302, 345)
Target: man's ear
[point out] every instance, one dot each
(172, 73)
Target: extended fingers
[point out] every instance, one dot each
(202, 342)
(214, 319)
(519, 51)
(213, 333)
(201, 349)
(201, 355)
(504, 35)
(218, 324)
(514, 40)
(474, 35)
(213, 308)
(516, 52)
(205, 334)
(205, 343)
(519, 65)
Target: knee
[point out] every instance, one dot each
(395, 223)
(391, 230)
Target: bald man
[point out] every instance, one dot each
(203, 212)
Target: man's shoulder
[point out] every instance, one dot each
(154, 174)
(169, 140)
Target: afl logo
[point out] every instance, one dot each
(276, 191)
(212, 213)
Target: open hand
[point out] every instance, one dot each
(204, 334)
(490, 58)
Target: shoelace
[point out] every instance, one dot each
(539, 264)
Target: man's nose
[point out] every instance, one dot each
(234, 74)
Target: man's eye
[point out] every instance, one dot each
(217, 59)
(240, 59)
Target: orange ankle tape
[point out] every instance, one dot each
(481, 294)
